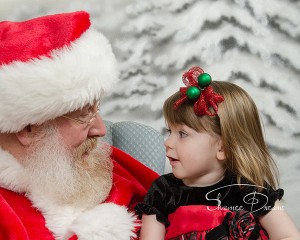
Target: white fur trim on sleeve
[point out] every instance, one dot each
(105, 221)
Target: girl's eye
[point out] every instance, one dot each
(167, 131)
(182, 134)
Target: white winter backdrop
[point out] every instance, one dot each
(253, 43)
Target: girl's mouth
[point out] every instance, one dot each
(173, 160)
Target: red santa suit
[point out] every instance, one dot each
(20, 220)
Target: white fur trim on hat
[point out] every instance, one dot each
(38, 90)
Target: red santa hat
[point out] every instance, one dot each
(50, 66)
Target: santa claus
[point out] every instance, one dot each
(57, 179)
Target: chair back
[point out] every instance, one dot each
(141, 141)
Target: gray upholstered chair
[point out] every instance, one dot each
(140, 141)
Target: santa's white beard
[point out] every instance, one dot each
(61, 176)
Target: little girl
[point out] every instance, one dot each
(224, 180)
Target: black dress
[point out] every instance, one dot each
(198, 210)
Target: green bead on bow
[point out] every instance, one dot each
(193, 92)
(204, 79)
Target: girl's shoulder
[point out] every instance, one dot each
(247, 187)
(257, 199)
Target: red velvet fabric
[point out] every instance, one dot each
(132, 180)
(19, 220)
(193, 218)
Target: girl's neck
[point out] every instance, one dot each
(205, 180)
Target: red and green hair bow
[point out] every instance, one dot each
(198, 88)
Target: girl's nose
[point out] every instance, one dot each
(169, 143)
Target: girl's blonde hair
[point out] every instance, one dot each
(239, 126)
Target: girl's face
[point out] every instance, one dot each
(195, 157)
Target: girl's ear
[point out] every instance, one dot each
(221, 153)
(25, 136)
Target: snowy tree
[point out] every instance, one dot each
(254, 43)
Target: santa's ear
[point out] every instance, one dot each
(25, 136)
(221, 153)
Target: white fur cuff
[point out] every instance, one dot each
(105, 221)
